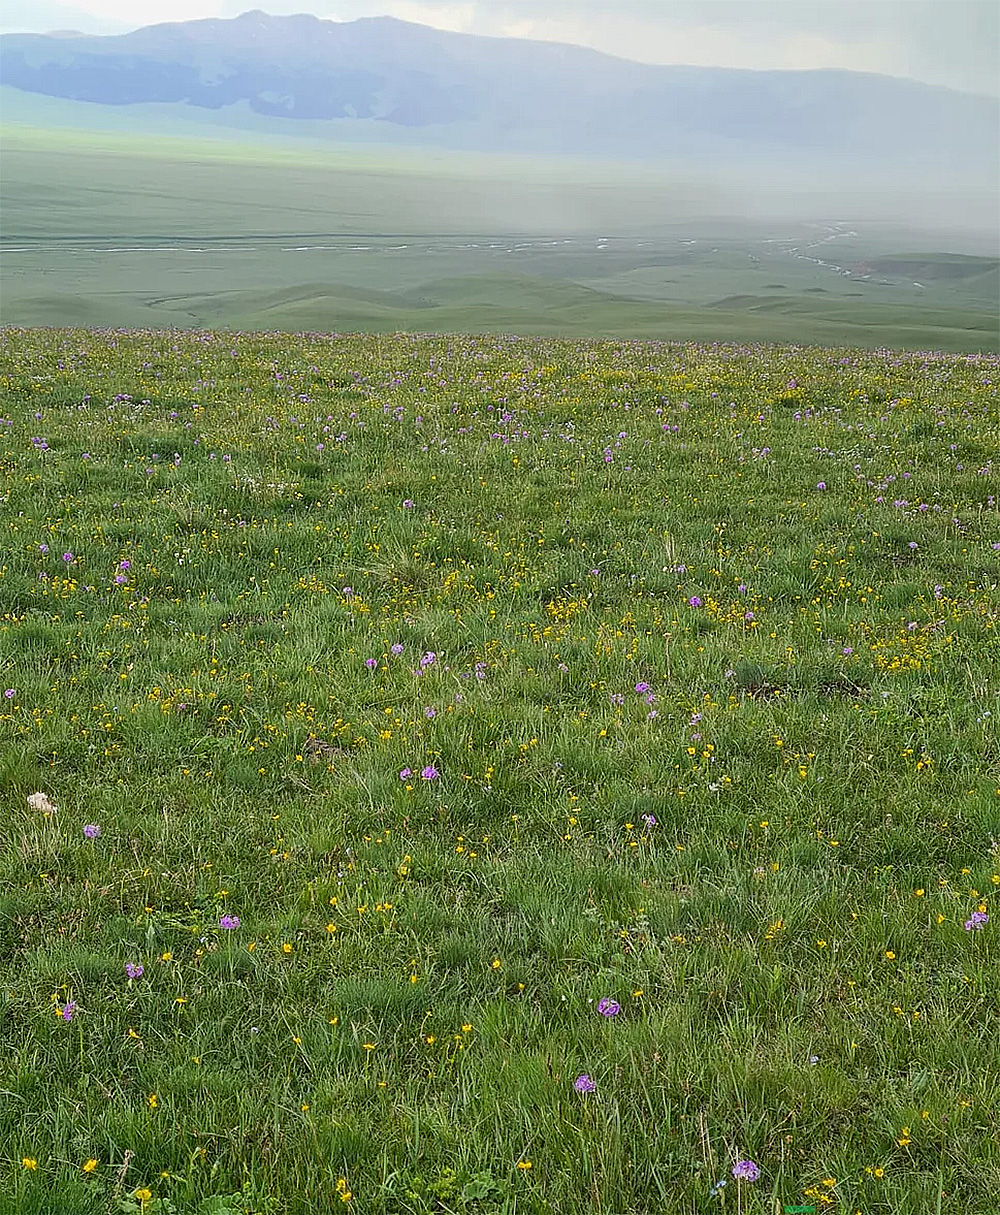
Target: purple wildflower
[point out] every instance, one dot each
(396, 648)
(746, 1170)
(584, 1084)
(430, 712)
(430, 773)
(92, 830)
(642, 686)
(229, 921)
(978, 919)
(67, 1010)
(68, 558)
(429, 658)
(821, 485)
(408, 504)
(608, 1007)
(694, 601)
(371, 663)
(134, 970)
(406, 773)
(10, 693)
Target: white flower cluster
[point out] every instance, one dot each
(40, 801)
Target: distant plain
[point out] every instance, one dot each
(109, 229)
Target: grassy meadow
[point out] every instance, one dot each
(492, 775)
(102, 228)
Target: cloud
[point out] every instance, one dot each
(458, 17)
(41, 15)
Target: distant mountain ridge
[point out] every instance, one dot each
(502, 94)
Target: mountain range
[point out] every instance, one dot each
(392, 80)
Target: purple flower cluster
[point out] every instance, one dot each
(746, 1170)
(584, 1084)
(429, 772)
(608, 1007)
(978, 919)
(92, 830)
(134, 970)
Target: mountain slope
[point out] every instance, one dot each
(496, 93)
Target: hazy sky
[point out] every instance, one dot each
(949, 42)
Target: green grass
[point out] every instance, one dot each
(766, 857)
(83, 183)
(106, 231)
